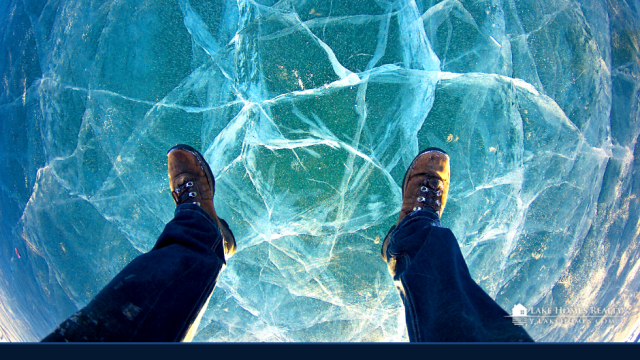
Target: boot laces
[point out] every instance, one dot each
(430, 195)
(185, 193)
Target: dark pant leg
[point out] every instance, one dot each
(159, 295)
(442, 302)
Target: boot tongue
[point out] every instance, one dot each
(434, 183)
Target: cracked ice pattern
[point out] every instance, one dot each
(309, 113)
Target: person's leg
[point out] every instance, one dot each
(161, 295)
(442, 302)
(158, 296)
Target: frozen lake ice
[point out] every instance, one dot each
(309, 113)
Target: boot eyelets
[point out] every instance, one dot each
(438, 202)
(196, 203)
(424, 189)
(193, 194)
(421, 199)
(417, 208)
(190, 184)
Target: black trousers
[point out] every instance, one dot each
(161, 295)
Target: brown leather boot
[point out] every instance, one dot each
(191, 181)
(425, 185)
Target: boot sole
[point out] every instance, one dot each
(227, 234)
